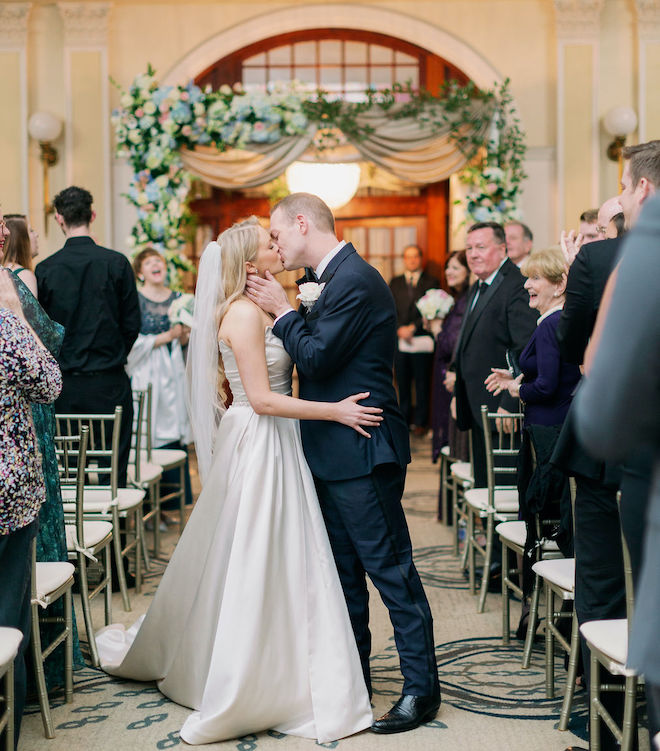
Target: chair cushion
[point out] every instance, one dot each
(609, 637)
(10, 639)
(94, 532)
(100, 501)
(558, 571)
(149, 472)
(51, 576)
(515, 532)
(506, 501)
(462, 471)
(168, 458)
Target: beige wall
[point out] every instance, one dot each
(71, 82)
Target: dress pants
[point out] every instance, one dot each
(414, 368)
(100, 394)
(369, 534)
(15, 596)
(599, 579)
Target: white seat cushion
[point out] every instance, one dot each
(558, 571)
(506, 501)
(94, 532)
(100, 501)
(149, 472)
(168, 458)
(10, 639)
(51, 576)
(515, 532)
(609, 637)
(462, 471)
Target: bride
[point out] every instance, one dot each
(249, 626)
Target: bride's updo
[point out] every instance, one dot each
(239, 245)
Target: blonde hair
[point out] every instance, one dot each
(549, 264)
(310, 206)
(239, 244)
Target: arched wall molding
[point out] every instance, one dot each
(343, 15)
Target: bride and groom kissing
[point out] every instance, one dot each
(261, 619)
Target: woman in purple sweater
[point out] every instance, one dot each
(546, 383)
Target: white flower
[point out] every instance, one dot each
(126, 100)
(181, 310)
(310, 293)
(149, 108)
(435, 303)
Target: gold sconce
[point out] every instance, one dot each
(619, 122)
(45, 128)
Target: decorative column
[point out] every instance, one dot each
(648, 39)
(577, 23)
(87, 133)
(13, 95)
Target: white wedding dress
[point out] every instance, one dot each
(249, 626)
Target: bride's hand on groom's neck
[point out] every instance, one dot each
(268, 294)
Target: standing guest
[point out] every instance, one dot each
(616, 226)
(617, 417)
(19, 251)
(28, 373)
(414, 355)
(545, 386)
(157, 359)
(519, 239)
(498, 319)
(51, 540)
(91, 291)
(589, 226)
(444, 427)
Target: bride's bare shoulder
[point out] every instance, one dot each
(241, 317)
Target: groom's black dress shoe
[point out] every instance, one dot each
(408, 713)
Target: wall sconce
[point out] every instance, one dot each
(335, 184)
(45, 128)
(619, 122)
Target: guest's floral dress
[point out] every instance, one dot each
(51, 539)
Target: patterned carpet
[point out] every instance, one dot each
(489, 702)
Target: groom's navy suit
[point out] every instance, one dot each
(343, 346)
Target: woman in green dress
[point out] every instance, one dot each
(18, 251)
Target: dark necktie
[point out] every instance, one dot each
(310, 276)
(480, 291)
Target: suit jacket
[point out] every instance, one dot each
(618, 407)
(343, 346)
(501, 320)
(586, 282)
(406, 310)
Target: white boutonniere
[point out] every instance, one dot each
(310, 293)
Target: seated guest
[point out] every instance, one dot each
(156, 358)
(28, 373)
(445, 432)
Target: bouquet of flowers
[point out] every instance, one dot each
(181, 310)
(435, 303)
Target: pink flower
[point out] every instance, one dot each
(164, 106)
(186, 130)
(139, 112)
(259, 125)
(185, 96)
(492, 187)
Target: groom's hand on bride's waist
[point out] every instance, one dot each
(268, 294)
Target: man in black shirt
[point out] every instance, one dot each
(91, 291)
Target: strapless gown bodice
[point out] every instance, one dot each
(280, 368)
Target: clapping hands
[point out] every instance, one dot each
(570, 244)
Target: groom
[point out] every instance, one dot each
(342, 345)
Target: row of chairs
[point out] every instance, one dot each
(497, 508)
(99, 516)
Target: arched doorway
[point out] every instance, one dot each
(379, 221)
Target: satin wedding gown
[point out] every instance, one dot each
(249, 626)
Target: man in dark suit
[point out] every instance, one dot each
(599, 580)
(498, 319)
(344, 345)
(413, 361)
(91, 291)
(618, 414)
